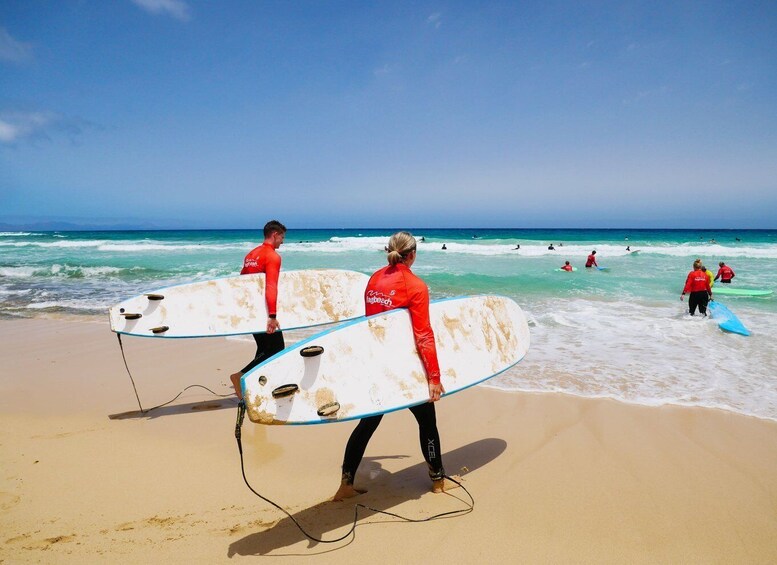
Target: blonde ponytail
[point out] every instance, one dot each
(400, 245)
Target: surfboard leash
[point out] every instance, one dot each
(241, 410)
(124, 358)
(147, 410)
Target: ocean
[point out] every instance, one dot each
(621, 333)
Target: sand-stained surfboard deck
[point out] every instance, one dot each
(371, 366)
(235, 305)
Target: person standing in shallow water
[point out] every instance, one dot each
(698, 284)
(265, 259)
(395, 286)
(725, 273)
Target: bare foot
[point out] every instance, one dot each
(235, 378)
(444, 485)
(347, 491)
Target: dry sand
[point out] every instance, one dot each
(555, 478)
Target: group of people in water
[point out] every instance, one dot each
(698, 285)
(589, 262)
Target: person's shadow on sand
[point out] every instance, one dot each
(386, 490)
(222, 403)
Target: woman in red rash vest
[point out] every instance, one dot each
(395, 286)
(698, 284)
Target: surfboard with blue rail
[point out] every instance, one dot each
(371, 366)
(726, 319)
(236, 305)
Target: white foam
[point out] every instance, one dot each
(57, 270)
(648, 354)
(129, 246)
(72, 304)
(17, 272)
(167, 247)
(10, 292)
(533, 249)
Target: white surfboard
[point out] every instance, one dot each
(235, 305)
(370, 365)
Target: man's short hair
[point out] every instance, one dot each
(273, 226)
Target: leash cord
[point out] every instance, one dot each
(238, 425)
(147, 410)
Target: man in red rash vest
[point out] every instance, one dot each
(725, 273)
(395, 286)
(265, 259)
(567, 266)
(591, 261)
(698, 284)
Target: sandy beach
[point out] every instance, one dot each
(84, 478)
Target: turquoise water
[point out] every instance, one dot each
(621, 333)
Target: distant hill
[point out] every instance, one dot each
(54, 225)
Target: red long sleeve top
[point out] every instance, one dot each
(397, 287)
(264, 259)
(696, 281)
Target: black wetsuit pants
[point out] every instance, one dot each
(698, 298)
(267, 345)
(426, 417)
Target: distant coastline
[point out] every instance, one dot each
(108, 226)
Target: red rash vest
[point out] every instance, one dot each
(697, 281)
(264, 259)
(397, 287)
(591, 261)
(725, 273)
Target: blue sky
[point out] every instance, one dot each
(337, 114)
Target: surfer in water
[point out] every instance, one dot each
(698, 284)
(567, 266)
(265, 259)
(591, 261)
(395, 286)
(725, 273)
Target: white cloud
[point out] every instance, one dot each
(435, 19)
(32, 126)
(12, 50)
(175, 8)
(8, 132)
(382, 71)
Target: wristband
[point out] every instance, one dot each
(271, 316)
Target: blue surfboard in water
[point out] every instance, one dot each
(726, 319)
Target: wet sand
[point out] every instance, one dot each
(85, 478)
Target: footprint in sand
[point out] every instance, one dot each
(48, 542)
(8, 500)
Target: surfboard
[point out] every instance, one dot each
(565, 271)
(726, 319)
(370, 366)
(602, 268)
(729, 291)
(235, 305)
